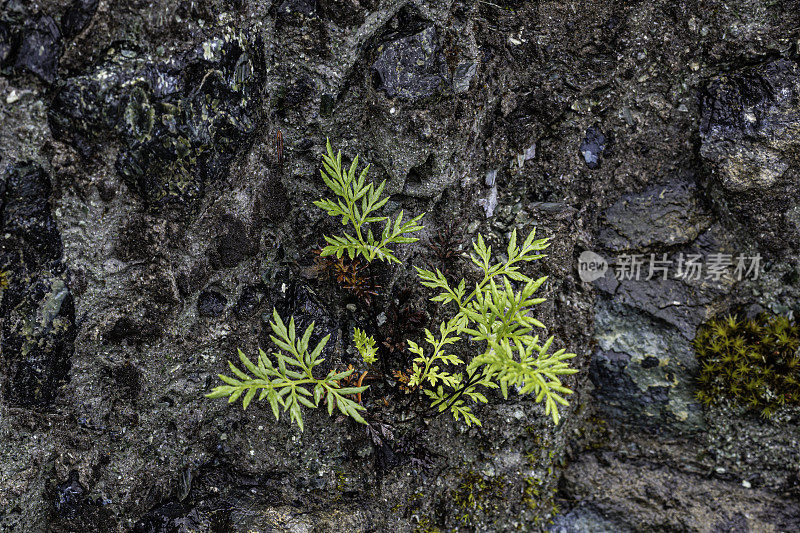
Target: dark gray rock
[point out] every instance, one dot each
(77, 17)
(249, 301)
(411, 67)
(463, 76)
(585, 519)
(644, 496)
(30, 241)
(74, 509)
(7, 43)
(40, 48)
(593, 146)
(664, 215)
(643, 370)
(180, 122)
(38, 327)
(749, 124)
(235, 243)
(37, 342)
(304, 7)
(211, 304)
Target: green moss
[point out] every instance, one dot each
(752, 361)
(540, 500)
(473, 492)
(424, 526)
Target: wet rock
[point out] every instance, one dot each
(234, 245)
(77, 17)
(7, 43)
(749, 123)
(584, 519)
(463, 76)
(74, 509)
(345, 12)
(592, 146)
(249, 301)
(664, 215)
(37, 342)
(30, 240)
(38, 312)
(326, 104)
(40, 48)
(211, 303)
(644, 495)
(135, 329)
(180, 122)
(172, 516)
(411, 67)
(303, 7)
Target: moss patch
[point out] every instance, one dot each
(753, 361)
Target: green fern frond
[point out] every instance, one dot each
(365, 344)
(356, 203)
(291, 384)
(499, 317)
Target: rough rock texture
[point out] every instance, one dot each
(159, 161)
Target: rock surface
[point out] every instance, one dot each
(159, 163)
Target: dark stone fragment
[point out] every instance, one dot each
(106, 190)
(73, 509)
(249, 301)
(38, 313)
(77, 17)
(326, 104)
(616, 393)
(649, 362)
(748, 126)
(30, 239)
(133, 329)
(234, 245)
(592, 146)
(344, 12)
(70, 496)
(664, 215)
(303, 7)
(189, 282)
(464, 74)
(172, 516)
(8, 42)
(37, 342)
(411, 67)
(86, 107)
(211, 303)
(40, 49)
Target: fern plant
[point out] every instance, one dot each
(365, 344)
(357, 202)
(291, 384)
(497, 317)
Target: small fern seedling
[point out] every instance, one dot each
(353, 192)
(291, 385)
